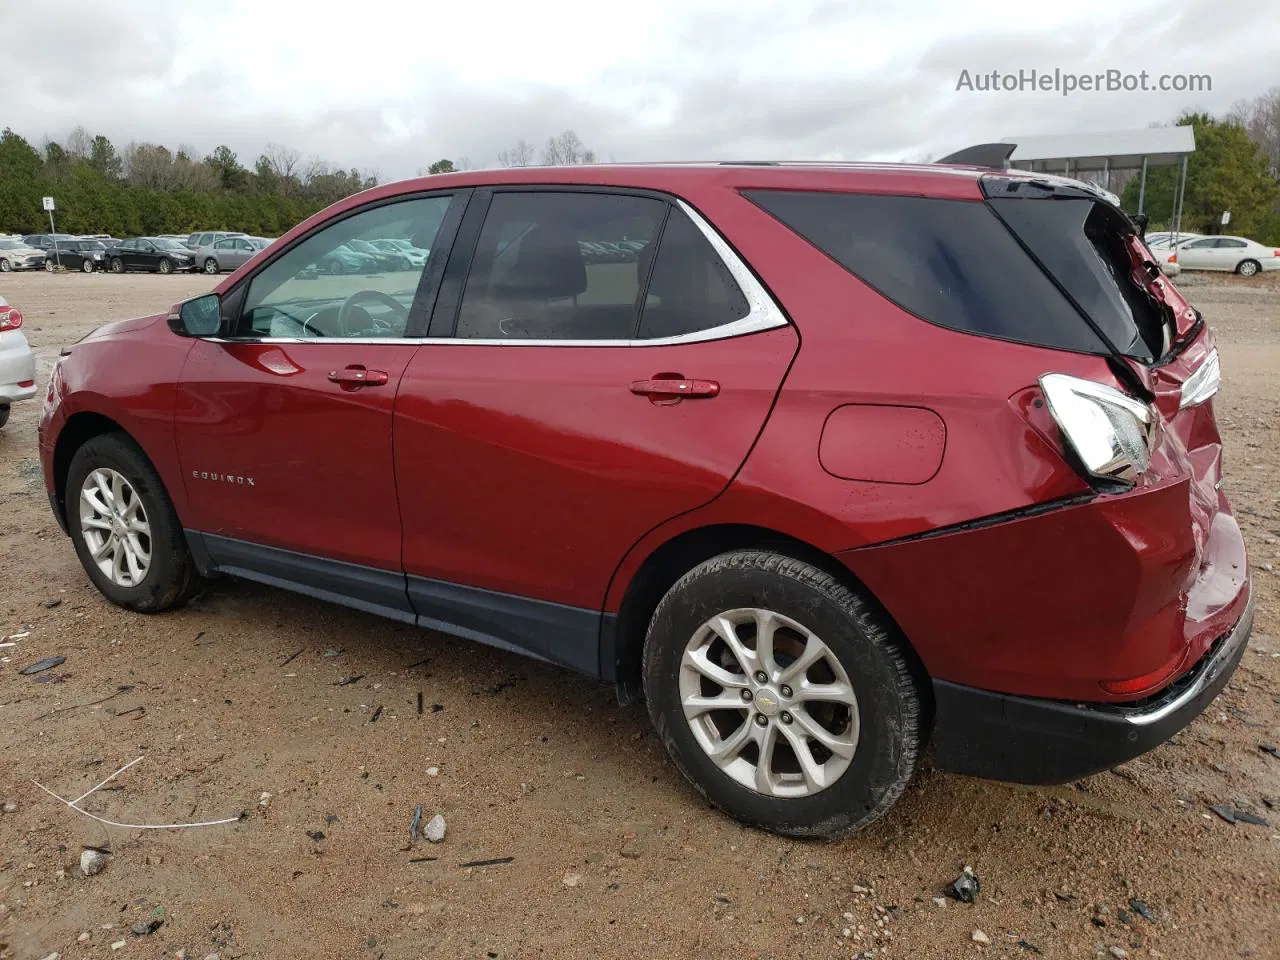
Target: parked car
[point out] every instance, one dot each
(206, 238)
(154, 254)
(83, 255)
(342, 259)
(849, 459)
(229, 253)
(384, 259)
(1232, 254)
(408, 255)
(17, 363)
(1168, 241)
(17, 254)
(45, 241)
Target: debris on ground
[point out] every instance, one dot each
(264, 800)
(435, 829)
(1030, 947)
(979, 937)
(91, 862)
(1270, 748)
(413, 824)
(149, 926)
(1224, 811)
(571, 879)
(1235, 815)
(316, 835)
(1118, 952)
(330, 654)
(347, 681)
(48, 663)
(1141, 909)
(965, 887)
(51, 602)
(492, 862)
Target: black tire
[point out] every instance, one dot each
(210, 265)
(50, 266)
(86, 266)
(165, 266)
(5, 265)
(1248, 268)
(891, 709)
(4, 414)
(172, 578)
(117, 265)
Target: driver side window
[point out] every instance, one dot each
(334, 284)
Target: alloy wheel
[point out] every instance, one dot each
(769, 703)
(115, 528)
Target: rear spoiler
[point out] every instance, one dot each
(993, 155)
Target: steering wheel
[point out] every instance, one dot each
(348, 308)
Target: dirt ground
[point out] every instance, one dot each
(237, 704)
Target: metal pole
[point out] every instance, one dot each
(1142, 185)
(1106, 171)
(53, 235)
(1180, 200)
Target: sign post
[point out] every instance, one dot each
(53, 231)
(1226, 217)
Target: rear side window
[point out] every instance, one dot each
(690, 288)
(1083, 243)
(950, 262)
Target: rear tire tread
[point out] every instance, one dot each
(912, 734)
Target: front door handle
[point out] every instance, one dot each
(671, 389)
(358, 376)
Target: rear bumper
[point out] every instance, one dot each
(17, 368)
(1034, 741)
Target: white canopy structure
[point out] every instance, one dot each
(1073, 154)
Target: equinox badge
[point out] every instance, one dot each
(223, 477)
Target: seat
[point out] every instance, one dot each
(548, 266)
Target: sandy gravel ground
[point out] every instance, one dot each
(237, 705)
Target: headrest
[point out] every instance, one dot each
(548, 264)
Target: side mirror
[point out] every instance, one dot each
(200, 317)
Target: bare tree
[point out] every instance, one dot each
(521, 155)
(1260, 118)
(464, 163)
(282, 161)
(78, 143)
(563, 150)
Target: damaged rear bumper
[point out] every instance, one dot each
(1036, 741)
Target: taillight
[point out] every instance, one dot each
(1174, 258)
(1275, 253)
(1147, 682)
(10, 318)
(1110, 432)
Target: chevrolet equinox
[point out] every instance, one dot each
(832, 464)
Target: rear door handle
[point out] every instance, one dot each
(358, 376)
(670, 389)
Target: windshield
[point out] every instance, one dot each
(362, 245)
(164, 243)
(11, 245)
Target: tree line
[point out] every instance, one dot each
(148, 189)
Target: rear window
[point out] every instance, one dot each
(950, 262)
(1082, 243)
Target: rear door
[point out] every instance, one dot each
(284, 426)
(556, 414)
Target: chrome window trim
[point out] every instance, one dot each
(764, 314)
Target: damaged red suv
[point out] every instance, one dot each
(832, 464)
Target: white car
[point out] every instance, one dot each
(17, 363)
(16, 254)
(1232, 254)
(1165, 241)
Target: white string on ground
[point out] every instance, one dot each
(128, 826)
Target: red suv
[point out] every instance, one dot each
(828, 462)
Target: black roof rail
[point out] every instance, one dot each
(993, 155)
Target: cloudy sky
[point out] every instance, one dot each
(391, 86)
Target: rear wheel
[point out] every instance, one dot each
(125, 529)
(1248, 268)
(165, 266)
(4, 414)
(781, 696)
(50, 266)
(5, 265)
(117, 265)
(86, 266)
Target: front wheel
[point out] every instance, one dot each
(4, 414)
(117, 265)
(125, 529)
(211, 265)
(86, 266)
(165, 266)
(1248, 268)
(5, 265)
(781, 695)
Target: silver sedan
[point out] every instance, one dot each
(229, 253)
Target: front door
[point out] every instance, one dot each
(284, 426)
(564, 414)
